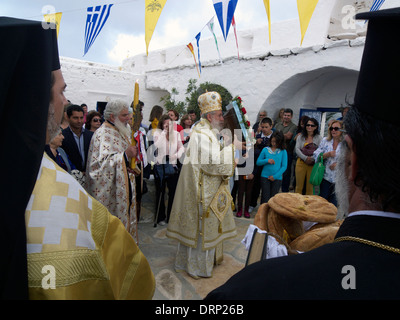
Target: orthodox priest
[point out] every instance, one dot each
(109, 178)
(201, 216)
(73, 248)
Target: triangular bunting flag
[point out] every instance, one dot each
(198, 49)
(234, 29)
(306, 9)
(190, 46)
(54, 18)
(377, 5)
(225, 9)
(153, 10)
(96, 18)
(268, 10)
(210, 25)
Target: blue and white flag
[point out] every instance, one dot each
(225, 10)
(198, 49)
(377, 5)
(96, 18)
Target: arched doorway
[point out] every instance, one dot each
(323, 88)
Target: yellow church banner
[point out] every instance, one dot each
(153, 10)
(268, 9)
(306, 9)
(54, 18)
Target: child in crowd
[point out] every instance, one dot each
(262, 140)
(245, 181)
(274, 162)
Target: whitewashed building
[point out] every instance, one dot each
(320, 73)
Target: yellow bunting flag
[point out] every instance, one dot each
(306, 9)
(54, 18)
(152, 13)
(268, 9)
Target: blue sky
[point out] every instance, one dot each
(123, 33)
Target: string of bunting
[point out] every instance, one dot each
(97, 17)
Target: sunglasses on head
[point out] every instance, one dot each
(334, 128)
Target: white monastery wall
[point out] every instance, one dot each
(319, 73)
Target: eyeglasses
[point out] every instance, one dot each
(96, 120)
(334, 128)
(311, 125)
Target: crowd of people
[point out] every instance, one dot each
(278, 147)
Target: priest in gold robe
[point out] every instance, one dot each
(201, 217)
(73, 248)
(108, 175)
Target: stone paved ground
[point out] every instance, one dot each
(160, 252)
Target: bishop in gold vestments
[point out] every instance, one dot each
(201, 217)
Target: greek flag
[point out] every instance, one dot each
(225, 10)
(377, 5)
(96, 18)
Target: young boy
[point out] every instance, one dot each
(262, 140)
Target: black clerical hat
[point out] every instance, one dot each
(378, 87)
(28, 55)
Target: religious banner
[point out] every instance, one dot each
(225, 9)
(234, 29)
(153, 10)
(198, 49)
(95, 21)
(306, 9)
(210, 25)
(268, 10)
(190, 46)
(54, 18)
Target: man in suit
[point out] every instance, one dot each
(363, 260)
(76, 138)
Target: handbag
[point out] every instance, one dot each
(308, 150)
(164, 171)
(318, 171)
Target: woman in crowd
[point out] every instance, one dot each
(58, 155)
(186, 123)
(168, 150)
(330, 148)
(155, 115)
(93, 121)
(174, 116)
(273, 160)
(306, 143)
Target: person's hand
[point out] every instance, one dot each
(271, 178)
(333, 166)
(259, 141)
(310, 161)
(331, 154)
(271, 161)
(250, 176)
(131, 152)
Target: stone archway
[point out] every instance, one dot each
(325, 87)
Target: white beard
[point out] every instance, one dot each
(217, 125)
(342, 184)
(124, 130)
